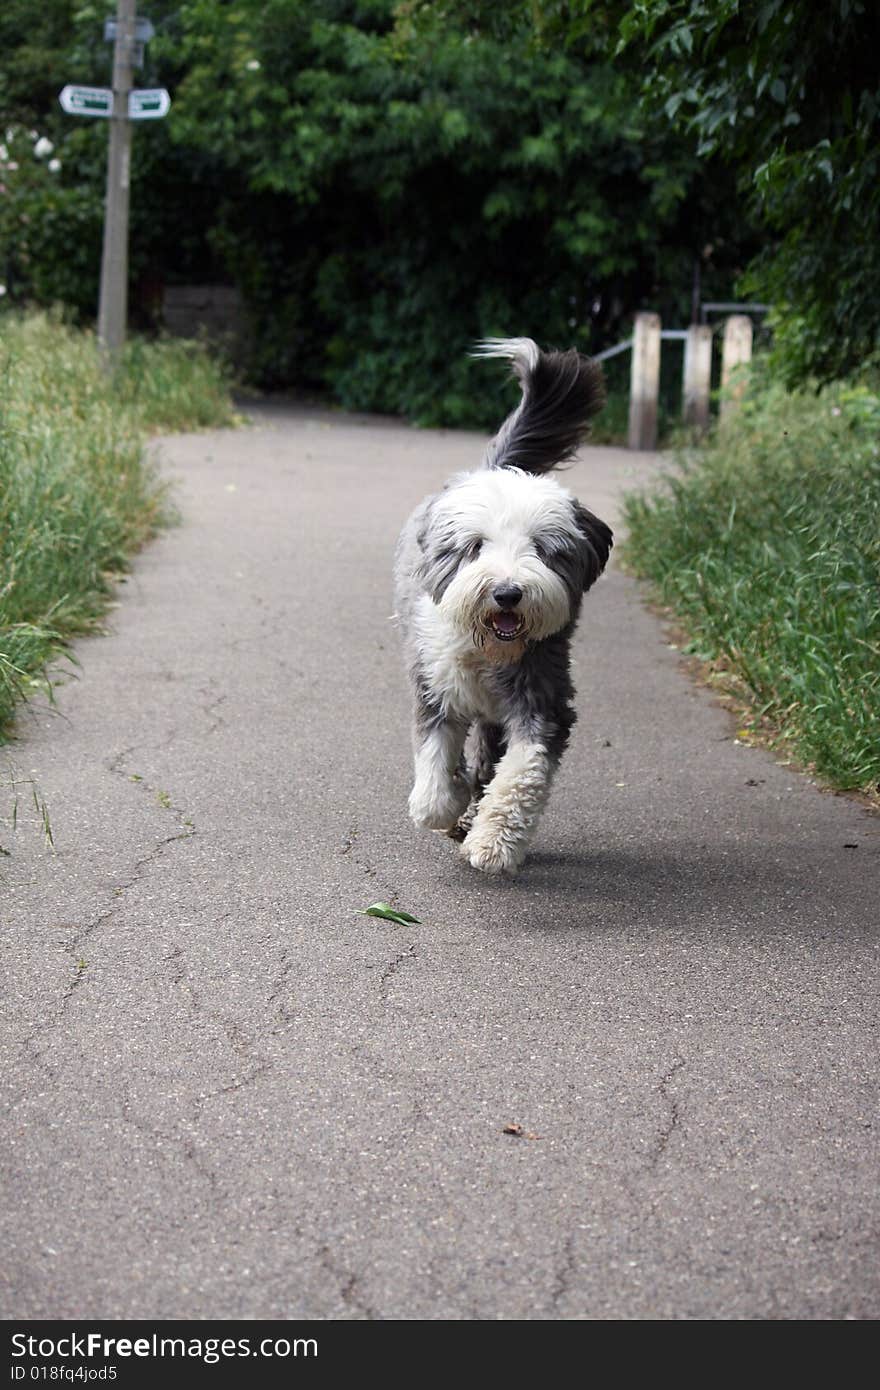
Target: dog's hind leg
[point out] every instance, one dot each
(483, 748)
(440, 793)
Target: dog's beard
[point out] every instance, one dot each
(503, 634)
(499, 651)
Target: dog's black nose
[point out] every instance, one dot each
(507, 595)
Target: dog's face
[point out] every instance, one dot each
(508, 557)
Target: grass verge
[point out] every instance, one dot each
(765, 544)
(77, 492)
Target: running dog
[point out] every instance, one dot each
(490, 574)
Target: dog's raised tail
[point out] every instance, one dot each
(562, 391)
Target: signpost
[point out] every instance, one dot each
(87, 101)
(148, 104)
(144, 103)
(120, 105)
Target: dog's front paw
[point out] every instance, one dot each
(493, 852)
(438, 809)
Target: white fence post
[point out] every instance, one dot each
(737, 351)
(644, 387)
(697, 375)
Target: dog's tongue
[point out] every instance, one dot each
(506, 622)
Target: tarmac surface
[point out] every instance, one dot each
(227, 1095)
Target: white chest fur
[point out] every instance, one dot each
(457, 672)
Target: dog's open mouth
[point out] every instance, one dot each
(507, 627)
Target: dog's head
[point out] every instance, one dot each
(508, 557)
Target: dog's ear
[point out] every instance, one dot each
(440, 557)
(597, 540)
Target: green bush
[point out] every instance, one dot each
(50, 222)
(407, 195)
(767, 547)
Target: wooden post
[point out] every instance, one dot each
(113, 302)
(697, 375)
(644, 388)
(737, 352)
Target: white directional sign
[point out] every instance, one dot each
(148, 103)
(87, 101)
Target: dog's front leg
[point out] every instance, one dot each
(440, 792)
(508, 813)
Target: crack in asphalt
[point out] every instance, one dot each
(674, 1121)
(184, 1144)
(239, 1041)
(74, 948)
(392, 968)
(210, 707)
(178, 974)
(348, 1283)
(564, 1274)
(351, 839)
(283, 1011)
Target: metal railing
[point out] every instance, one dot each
(665, 333)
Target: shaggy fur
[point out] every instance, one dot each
(490, 574)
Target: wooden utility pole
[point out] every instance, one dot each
(113, 303)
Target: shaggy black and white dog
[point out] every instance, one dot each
(489, 578)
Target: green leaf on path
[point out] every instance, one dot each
(391, 914)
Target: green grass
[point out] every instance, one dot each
(77, 492)
(766, 546)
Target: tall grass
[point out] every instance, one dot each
(77, 492)
(766, 544)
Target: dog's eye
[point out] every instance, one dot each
(474, 549)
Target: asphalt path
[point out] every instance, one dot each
(228, 1095)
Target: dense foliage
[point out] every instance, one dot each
(789, 95)
(385, 184)
(386, 180)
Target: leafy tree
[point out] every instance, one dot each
(35, 42)
(406, 178)
(789, 95)
(385, 182)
